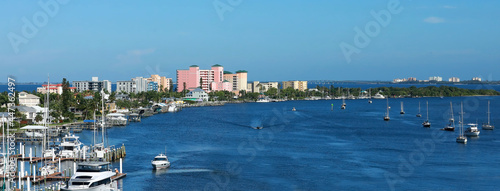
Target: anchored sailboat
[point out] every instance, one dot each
(451, 125)
(402, 110)
(418, 114)
(461, 138)
(426, 123)
(488, 126)
(386, 117)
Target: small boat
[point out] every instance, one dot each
(488, 126)
(258, 127)
(451, 125)
(461, 138)
(370, 96)
(71, 146)
(160, 162)
(378, 96)
(472, 130)
(343, 103)
(418, 114)
(293, 109)
(426, 123)
(402, 110)
(116, 119)
(48, 169)
(386, 117)
(262, 101)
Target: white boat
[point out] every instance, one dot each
(262, 101)
(488, 126)
(160, 162)
(461, 138)
(47, 169)
(402, 110)
(472, 130)
(293, 109)
(378, 96)
(386, 117)
(34, 131)
(172, 108)
(92, 176)
(70, 146)
(116, 119)
(426, 123)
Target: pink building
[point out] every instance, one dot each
(211, 80)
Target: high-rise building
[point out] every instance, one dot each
(152, 86)
(454, 79)
(238, 81)
(412, 79)
(94, 85)
(208, 80)
(436, 78)
(125, 86)
(163, 82)
(141, 84)
(298, 85)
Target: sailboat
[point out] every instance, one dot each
(488, 126)
(461, 138)
(47, 168)
(426, 123)
(418, 114)
(402, 110)
(451, 125)
(386, 117)
(369, 95)
(343, 103)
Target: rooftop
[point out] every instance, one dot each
(217, 65)
(241, 71)
(193, 66)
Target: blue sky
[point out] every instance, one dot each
(272, 40)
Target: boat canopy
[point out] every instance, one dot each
(88, 121)
(34, 127)
(115, 115)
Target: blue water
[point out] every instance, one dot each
(313, 148)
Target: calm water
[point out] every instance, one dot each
(314, 148)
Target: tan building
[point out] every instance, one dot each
(163, 82)
(454, 79)
(26, 99)
(298, 85)
(238, 80)
(257, 87)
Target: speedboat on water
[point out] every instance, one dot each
(160, 162)
(92, 176)
(472, 130)
(378, 96)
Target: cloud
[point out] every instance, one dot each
(133, 56)
(449, 7)
(434, 20)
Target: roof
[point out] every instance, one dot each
(193, 66)
(115, 114)
(34, 127)
(217, 65)
(227, 72)
(92, 163)
(241, 71)
(29, 96)
(4, 114)
(23, 108)
(197, 90)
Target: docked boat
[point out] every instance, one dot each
(92, 176)
(461, 138)
(116, 119)
(488, 126)
(70, 146)
(34, 131)
(386, 117)
(172, 108)
(160, 162)
(134, 117)
(293, 109)
(378, 96)
(426, 123)
(451, 125)
(472, 130)
(262, 101)
(402, 110)
(48, 169)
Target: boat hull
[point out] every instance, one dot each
(472, 134)
(449, 128)
(488, 127)
(461, 140)
(161, 165)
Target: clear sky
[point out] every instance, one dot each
(272, 40)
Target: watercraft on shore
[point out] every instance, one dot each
(488, 126)
(92, 176)
(160, 162)
(116, 119)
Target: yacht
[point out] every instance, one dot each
(426, 123)
(134, 117)
(71, 146)
(92, 176)
(262, 101)
(451, 125)
(461, 138)
(418, 114)
(116, 119)
(160, 162)
(293, 109)
(488, 126)
(472, 130)
(172, 108)
(34, 131)
(378, 96)
(386, 117)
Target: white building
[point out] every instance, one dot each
(454, 79)
(26, 99)
(28, 111)
(94, 85)
(197, 95)
(257, 87)
(476, 79)
(125, 86)
(436, 78)
(141, 84)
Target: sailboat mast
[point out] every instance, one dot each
(488, 112)
(402, 107)
(418, 107)
(46, 124)
(103, 118)
(427, 110)
(462, 119)
(387, 107)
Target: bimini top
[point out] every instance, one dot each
(34, 127)
(115, 114)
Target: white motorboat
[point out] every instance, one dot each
(472, 130)
(488, 126)
(116, 119)
(92, 176)
(34, 131)
(70, 146)
(262, 101)
(378, 96)
(160, 162)
(172, 108)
